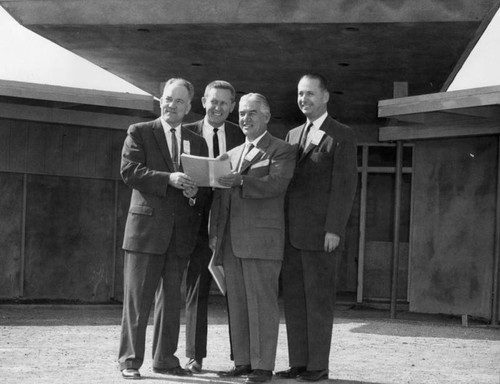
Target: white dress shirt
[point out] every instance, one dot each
(168, 136)
(316, 124)
(208, 135)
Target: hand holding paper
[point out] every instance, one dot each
(205, 171)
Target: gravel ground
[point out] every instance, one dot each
(78, 344)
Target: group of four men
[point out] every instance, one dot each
(303, 186)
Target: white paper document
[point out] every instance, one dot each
(205, 171)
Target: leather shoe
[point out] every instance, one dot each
(291, 373)
(259, 376)
(194, 366)
(313, 375)
(236, 371)
(176, 371)
(131, 373)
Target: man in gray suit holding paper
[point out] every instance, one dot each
(247, 229)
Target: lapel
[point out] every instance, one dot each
(159, 134)
(312, 146)
(262, 145)
(199, 127)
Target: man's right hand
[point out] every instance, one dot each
(180, 180)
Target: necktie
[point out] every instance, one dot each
(174, 150)
(304, 138)
(215, 139)
(246, 150)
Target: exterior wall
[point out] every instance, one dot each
(62, 212)
(453, 225)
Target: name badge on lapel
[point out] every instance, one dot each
(250, 155)
(318, 135)
(186, 146)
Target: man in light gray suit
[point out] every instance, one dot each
(247, 233)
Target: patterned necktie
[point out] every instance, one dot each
(215, 142)
(174, 150)
(304, 139)
(243, 155)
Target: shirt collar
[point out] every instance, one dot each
(208, 128)
(256, 140)
(167, 127)
(318, 122)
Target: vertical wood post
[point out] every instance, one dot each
(400, 90)
(496, 255)
(22, 269)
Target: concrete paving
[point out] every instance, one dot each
(78, 344)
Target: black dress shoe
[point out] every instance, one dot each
(291, 373)
(236, 371)
(176, 371)
(131, 373)
(194, 366)
(313, 375)
(259, 376)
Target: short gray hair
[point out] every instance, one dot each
(184, 82)
(264, 105)
(221, 84)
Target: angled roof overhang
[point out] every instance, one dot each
(74, 106)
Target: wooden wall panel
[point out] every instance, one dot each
(69, 238)
(103, 154)
(118, 139)
(453, 225)
(18, 145)
(5, 130)
(124, 193)
(54, 150)
(37, 145)
(11, 207)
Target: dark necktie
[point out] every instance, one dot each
(174, 150)
(215, 139)
(244, 154)
(304, 138)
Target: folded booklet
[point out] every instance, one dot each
(205, 171)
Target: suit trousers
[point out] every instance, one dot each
(252, 294)
(149, 278)
(308, 279)
(198, 282)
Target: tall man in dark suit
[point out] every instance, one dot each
(160, 232)
(320, 199)
(221, 136)
(247, 232)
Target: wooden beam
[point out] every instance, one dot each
(76, 95)
(67, 117)
(415, 132)
(439, 101)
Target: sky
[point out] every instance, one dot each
(482, 67)
(28, 57)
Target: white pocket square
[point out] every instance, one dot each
(262, 163)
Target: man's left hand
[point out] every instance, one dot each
(331, 241)
(230, 180)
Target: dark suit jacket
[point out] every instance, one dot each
(322, 190)
(234, 137)
(155, 206)
(255, 210)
